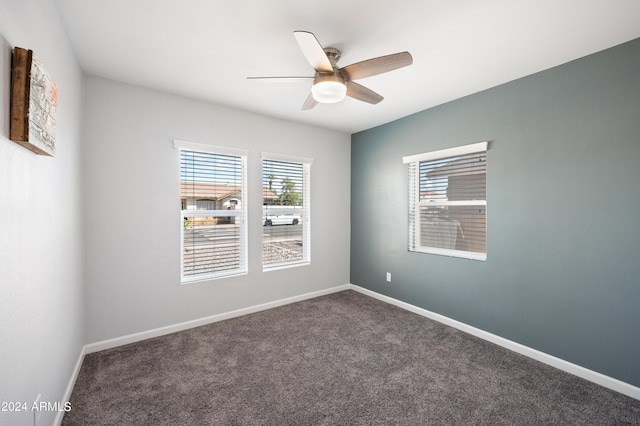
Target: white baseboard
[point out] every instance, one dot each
(136, 337)
(72, 382)
(576, 370)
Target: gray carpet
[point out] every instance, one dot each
(341, 359)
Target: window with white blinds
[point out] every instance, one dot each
(448, 201)
(286, 213)
(213, 211)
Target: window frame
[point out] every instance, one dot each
(306, 209)
(415, 203)
(241, 214)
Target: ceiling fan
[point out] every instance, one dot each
(330, 83)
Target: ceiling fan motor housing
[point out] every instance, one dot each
(333, 54)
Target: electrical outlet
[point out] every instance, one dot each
(388, 277)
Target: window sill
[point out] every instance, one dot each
(452, 253)
(210, 277)
(278, 266)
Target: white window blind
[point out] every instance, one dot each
(213, 212)
(286, 217)
(448, 202)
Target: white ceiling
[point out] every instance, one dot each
(205, 49)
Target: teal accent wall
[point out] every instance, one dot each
(563, 189)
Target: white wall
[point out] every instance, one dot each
(41, 261)
(133, 219)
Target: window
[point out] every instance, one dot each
(448, 203)
(285, 211)
(213, 216)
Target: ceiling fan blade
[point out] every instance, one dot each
(281, 79)
(313, 51)
(309, 103)
(361, 93)
(376, 66)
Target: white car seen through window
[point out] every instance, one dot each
(282, 219)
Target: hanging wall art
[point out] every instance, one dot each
(34, 98)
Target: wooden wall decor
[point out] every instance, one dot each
(34, 98)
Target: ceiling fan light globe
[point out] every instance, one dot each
(329, 92)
